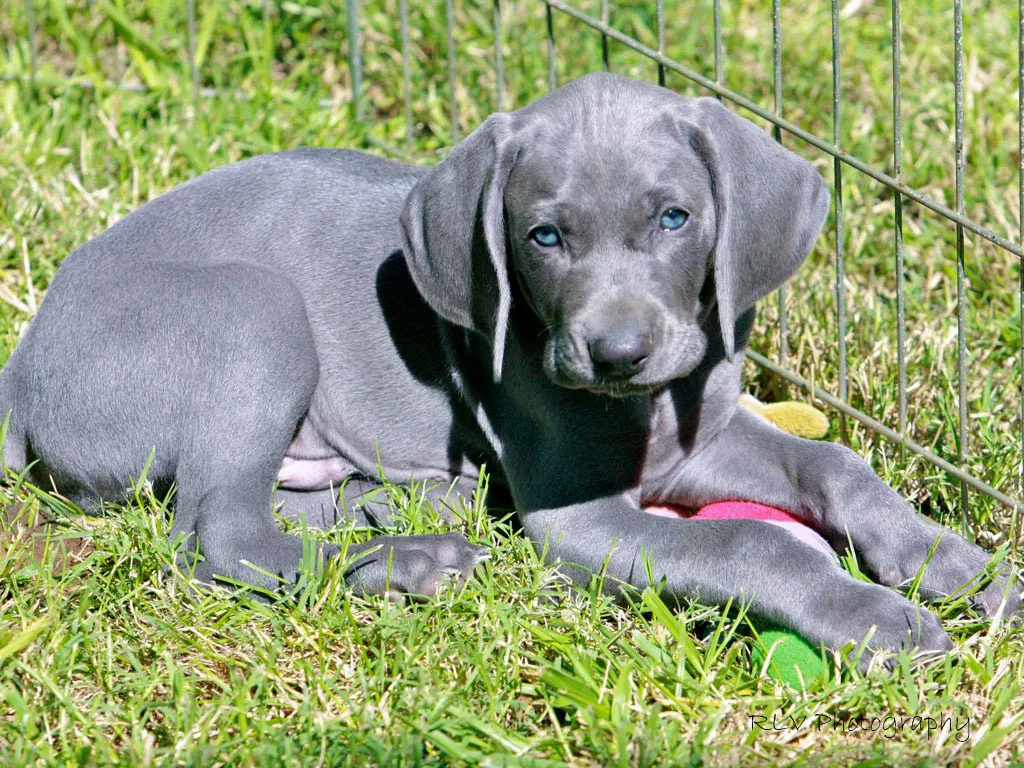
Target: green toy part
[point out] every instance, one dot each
(793, 661)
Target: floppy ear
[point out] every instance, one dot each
(454, 230)
(770, 205)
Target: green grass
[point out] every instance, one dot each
(106, 660)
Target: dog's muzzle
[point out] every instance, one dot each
(621, 352)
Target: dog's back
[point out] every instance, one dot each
(121, 327)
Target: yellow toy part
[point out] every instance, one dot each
(798, 419)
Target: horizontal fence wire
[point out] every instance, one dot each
(876, 426)
(895, 182)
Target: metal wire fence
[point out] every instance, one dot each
(568, 19)
(841, 160)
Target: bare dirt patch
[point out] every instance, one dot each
(28, 534)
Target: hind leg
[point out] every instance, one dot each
(238, 425)
(206, 369)
(224, 513)
(393, 564)
(236, 544)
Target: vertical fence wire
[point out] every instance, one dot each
(777, 63)
(661, 39)
(499, 60)
(718, 44)
(193, 71)
(121, 66)
(897, 162)
(30, 9)
(961, 299)
(552, 74)
(1020, 225)
(604, 38)
(403, 23)
(268, 31)
(837, 172)
(355, 58)
(453, 76)
(777, 80)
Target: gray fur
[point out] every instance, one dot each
(311, 315)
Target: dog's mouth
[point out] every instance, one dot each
(579, 378)
(568, 363)
(618, 388)
(625, 389)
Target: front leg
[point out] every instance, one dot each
(577, 492)
(715, 561)
(835, 492)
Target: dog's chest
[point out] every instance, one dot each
(681, 426)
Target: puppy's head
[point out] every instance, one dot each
(626, 214)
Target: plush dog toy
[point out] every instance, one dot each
(798, 419)
(789, 657)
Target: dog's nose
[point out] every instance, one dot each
(622, 353)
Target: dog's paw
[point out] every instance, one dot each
(948, 565)
(880, 623)
(1004, 590)
(414, 565)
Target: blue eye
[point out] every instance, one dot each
(673, 218)
(546, 236)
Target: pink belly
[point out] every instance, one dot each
(313, 474)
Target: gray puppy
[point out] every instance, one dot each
(565, 298)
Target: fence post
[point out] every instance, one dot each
(552, 74)
(897, 172)
(718, 46)
(605, 58)
(403, 13)
(661, 40)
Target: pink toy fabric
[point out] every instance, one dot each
(733, 510)
(749, 510)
